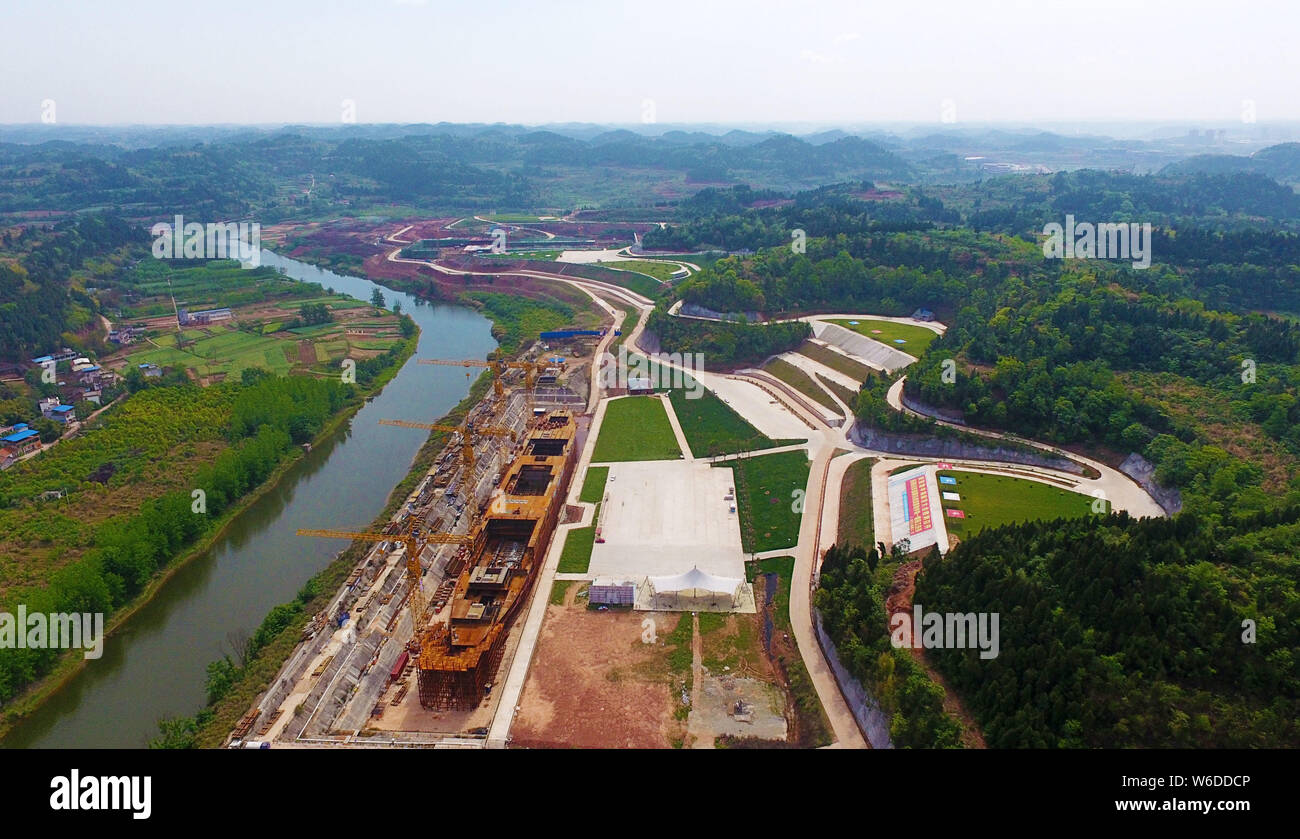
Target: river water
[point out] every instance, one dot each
(154, 666)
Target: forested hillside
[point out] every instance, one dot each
(1129, 633)
(1124, 633)
(43, 274)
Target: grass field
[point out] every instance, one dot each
(593, 485)
(662, 271)
(766, 489)
(511, 218)
(635, 428)
(856, 525)
(836, 361)
(516, 321)
(640, 283)
(576, 555)
(224, 352)
(558, 591)
(916, 338)
(993, 500)
(712, 427)
(848, 397)
(800, 381)
(536, 256)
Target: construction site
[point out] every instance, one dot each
(409, 649)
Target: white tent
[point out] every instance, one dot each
(693, 587)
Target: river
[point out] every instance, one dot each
(154, 666)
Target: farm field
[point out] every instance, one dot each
(765, 490)
(147, 290)
(993, 500)
(915, 338)
(261, 334)
(635, 428)
(224, 350)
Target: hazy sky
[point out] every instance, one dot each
(128, 61)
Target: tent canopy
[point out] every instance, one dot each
(695, 583)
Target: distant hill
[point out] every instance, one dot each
(1280, 162)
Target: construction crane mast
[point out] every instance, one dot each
(414, 541)
(465, 430)
(532, 369)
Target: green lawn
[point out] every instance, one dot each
(635, 428)
(917, 338)
(800, 381)
(662, 271)
(558, 590)
(576, 555)
(642, 284)
(993, 500)
(836, 361)
(848, 397)
(856, 525)
(512, 218)
(712, 427)
(535, 256)
(593, 485)
(765, 490)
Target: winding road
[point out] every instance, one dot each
(821, 503)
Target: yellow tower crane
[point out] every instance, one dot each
(532, 369)
(414, 540)
(465, 430)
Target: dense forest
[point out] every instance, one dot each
(851, 601)
(1128, 633)
(1124, 634)
(724, 344)
(38, 301)
(1050, 348)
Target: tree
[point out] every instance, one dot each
(377, 298)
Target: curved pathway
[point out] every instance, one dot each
(822, 494)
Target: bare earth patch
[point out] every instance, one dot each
(594, 684)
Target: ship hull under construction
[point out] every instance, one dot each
(460, 658)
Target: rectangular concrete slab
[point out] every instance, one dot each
(664, 518)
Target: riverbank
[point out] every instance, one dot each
(71, 663)
(210, 727)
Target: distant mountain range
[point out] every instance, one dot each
(1281, 162)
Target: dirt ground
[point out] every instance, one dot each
(594, 684)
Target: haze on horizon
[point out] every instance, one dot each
(764, 62)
